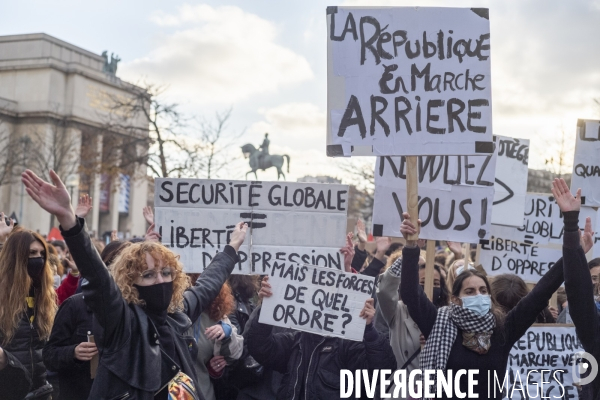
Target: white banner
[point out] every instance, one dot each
(287, 221)
(529, 251)
(510, 187)
(318, 300)
(408, 81)
(586, 166)
(455, 196)
(544, 221)
(539, 364)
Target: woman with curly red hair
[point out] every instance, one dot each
(219, 343)
(145, 308)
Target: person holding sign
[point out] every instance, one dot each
(312, 363)
(472, 333)
(144, 308)
(405, 337)
(578, 285)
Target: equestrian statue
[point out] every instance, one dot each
(261, 159)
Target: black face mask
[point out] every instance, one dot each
(157, 296)
(437, 292)
(35, 269)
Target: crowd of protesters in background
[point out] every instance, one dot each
(83, 319)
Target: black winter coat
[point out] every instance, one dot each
(26, 347)
(71, 325)
(312, 363)
(15, 379)
(132, 364)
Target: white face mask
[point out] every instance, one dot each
(480, 303)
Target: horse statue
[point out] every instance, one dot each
(258, 160)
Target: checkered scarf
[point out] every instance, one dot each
(449, 319)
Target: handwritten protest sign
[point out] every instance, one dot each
(510, 184)
(291, 222)
(586, 166)
(531, 250)
(549, 349)
(318, 300)
(455, 196)
(408, 81)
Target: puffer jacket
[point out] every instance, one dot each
(26, 347)
(312, 363)
(132, 365)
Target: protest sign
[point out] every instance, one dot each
(531, 250)
(316, 299)
(586, 166)
(408, 81)
(544, 221)
(547, 350)
(510, 184)
(596, 248)
(295, 222)
(455, 196)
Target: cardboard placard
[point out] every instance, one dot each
(586, 165)
(408, 81)
(455, 196)
(510, 184)
(287, 221)
(529, 251)
(550, 348)
(318, 300)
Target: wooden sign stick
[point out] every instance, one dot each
(412, 190)
(429, 261)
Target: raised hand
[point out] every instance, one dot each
(148, 214)
(587, 237)
(408, 228)
(238, 235)
(361, 232)
(152, 235)
(563, 196)
(5, 230)
(368, 311)
(114, 236)
(53, 198)
(84, 206)
(456, 248)
(265, 288)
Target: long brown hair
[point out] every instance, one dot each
(496, 308)
(223, 304)
(15, 284)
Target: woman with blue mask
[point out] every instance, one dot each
(472, 333)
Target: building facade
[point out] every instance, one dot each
(55, 112)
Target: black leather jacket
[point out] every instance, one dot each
(132, 365)
(312, 363)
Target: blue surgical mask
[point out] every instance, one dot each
(480, 303)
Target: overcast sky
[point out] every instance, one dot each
(267, 60)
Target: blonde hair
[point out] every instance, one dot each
(452, 272)
(15, 284)
(128, 266)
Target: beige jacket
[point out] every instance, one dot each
(404, 332)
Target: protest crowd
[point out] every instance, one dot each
(157, 331)
(251, 290)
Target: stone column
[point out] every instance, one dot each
(95, 217)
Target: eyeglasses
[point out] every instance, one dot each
(151, 275)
